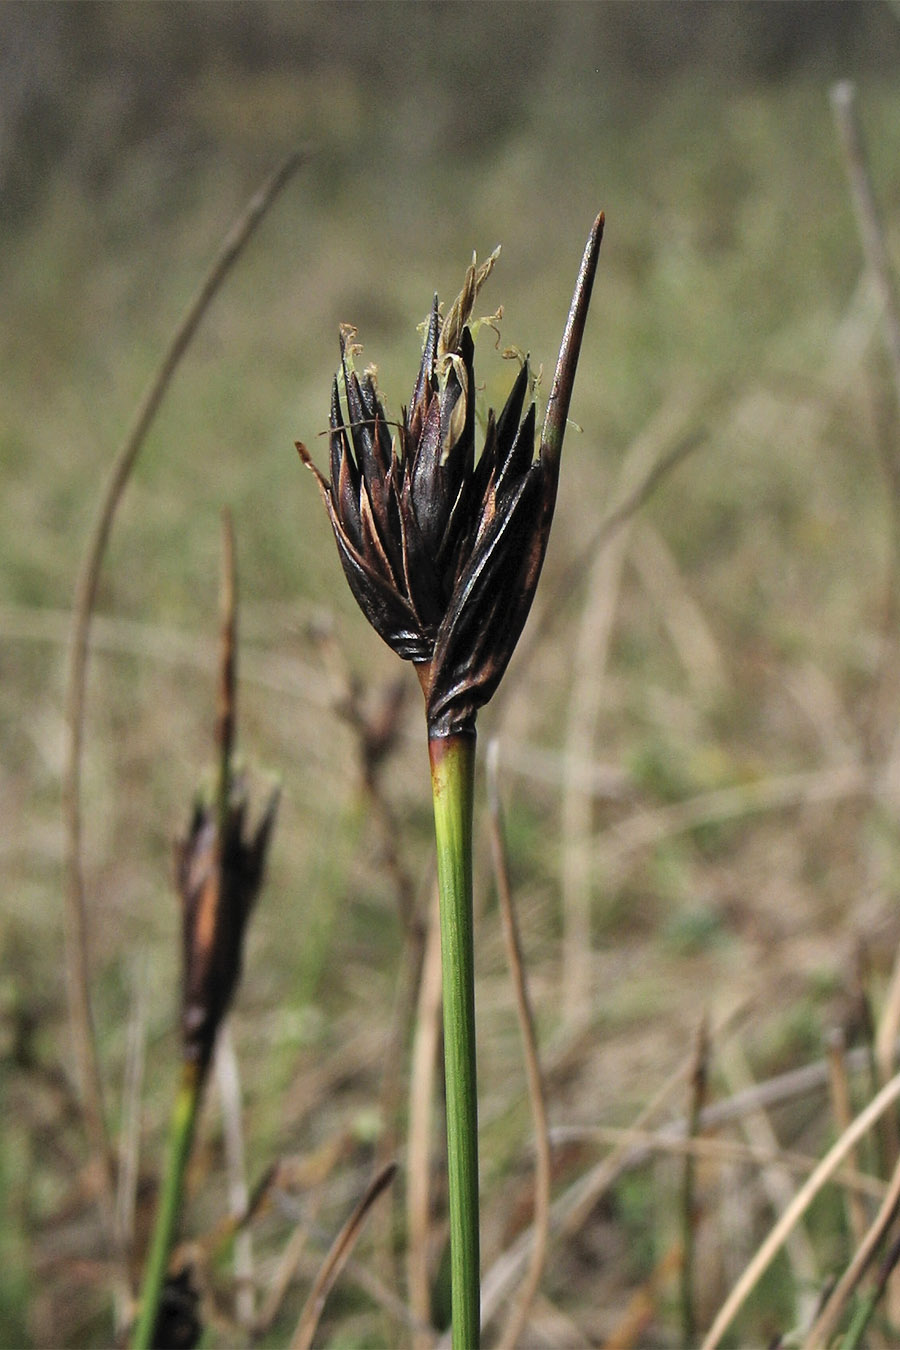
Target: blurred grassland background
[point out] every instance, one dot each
(752, 602)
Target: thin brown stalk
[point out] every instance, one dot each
(226, 712)
(827, 1320)
(337, 1258)
(76, 921)
(541, 1225)
(802, 1200)
(423, 1071)
(839, 1091)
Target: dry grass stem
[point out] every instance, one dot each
(336, 1259)
(801, 1202)
(229, 1085)
(423, 1073)
(76, 923)
(226, 711)
(542, 1173)
(889, 1026)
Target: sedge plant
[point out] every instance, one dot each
(219, 868)
(442, 550)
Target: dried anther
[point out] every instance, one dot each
(218, 885)
(441, 549)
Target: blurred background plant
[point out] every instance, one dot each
(699, 756)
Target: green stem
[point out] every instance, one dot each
(452, 781)
(181, 1134)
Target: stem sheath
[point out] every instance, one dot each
(181, 1135)
(452, 782)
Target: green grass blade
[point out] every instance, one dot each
(452, 780)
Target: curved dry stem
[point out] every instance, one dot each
(337, 1258)
(541, 1228)
(76, 927)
